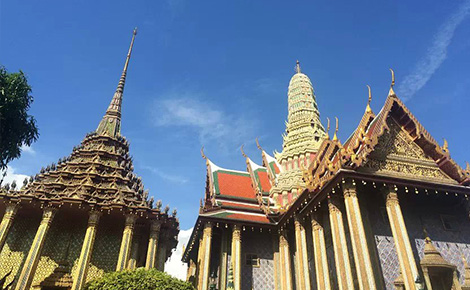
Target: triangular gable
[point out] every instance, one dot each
(394, 108)
(395, 154)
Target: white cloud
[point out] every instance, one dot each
(210, 123)
(12, 175)
(174, 266)
(435, 55)
(28, 149)
(166, 176)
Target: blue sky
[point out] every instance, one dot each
(215, 73)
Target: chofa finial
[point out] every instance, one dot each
(328, 128)
(257, 144)
(335, 137)
(297, 67)
(202, 153)
(243, 152)
(368, 109)
(135, 31)
(393, 77)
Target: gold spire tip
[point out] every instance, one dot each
(297, 67)
(135, 31)
(393, 77)
(370, 94)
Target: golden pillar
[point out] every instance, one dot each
(340, 246)
(150, 262)
(200, 256)
(365, 273)
(302, 277)
(132, 264)
(286, 272)
(7, 221)
(406, 259)
(31, 262)
(203, 279)
(223, 260)
(87, 248)
(126, 242)
(237, 256)
(162, 251)
(319, 253)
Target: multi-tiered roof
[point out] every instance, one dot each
(97, 174)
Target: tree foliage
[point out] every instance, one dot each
(16, 126)
(139, 279)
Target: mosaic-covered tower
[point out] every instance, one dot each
(85, 215)
(301, 141)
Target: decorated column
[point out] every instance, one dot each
(31, 262)
(87, 248)
(302, 276)
(162, 251)
(286, 272)
(150, 262)
(365, 273)
(7, 221)
(319, 253)
(406, 259)
(126, 242)
(340, 246)
(205, 257)
(236, 256)
(223, 260)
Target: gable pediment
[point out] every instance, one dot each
(397, 155)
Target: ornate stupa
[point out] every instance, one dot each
(301, 140)
(96, 182)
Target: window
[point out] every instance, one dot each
(252, 260)
(450, 222)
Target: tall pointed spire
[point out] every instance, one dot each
(111, 123)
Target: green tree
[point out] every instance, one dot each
(139, 279)
(17, 128)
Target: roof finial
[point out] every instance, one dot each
(391, 93)
(257, 144)
(368, 109)
(335, 137)
(111, 122)
(243, 152)
(393, 77)
(445, 146)
(297, 67)
(202, 153)
(327, 128)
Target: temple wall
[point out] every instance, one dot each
(106, 248)
(62, 246)
(18, 242)
(428, 213)
(262, 277)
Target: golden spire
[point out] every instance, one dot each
(297, 67)
(335, 137)
(111, 122)
(327, 128)
(468, 166)
(368, 109)
(392, 92)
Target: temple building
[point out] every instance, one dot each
(85, 215)
(386, 209)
